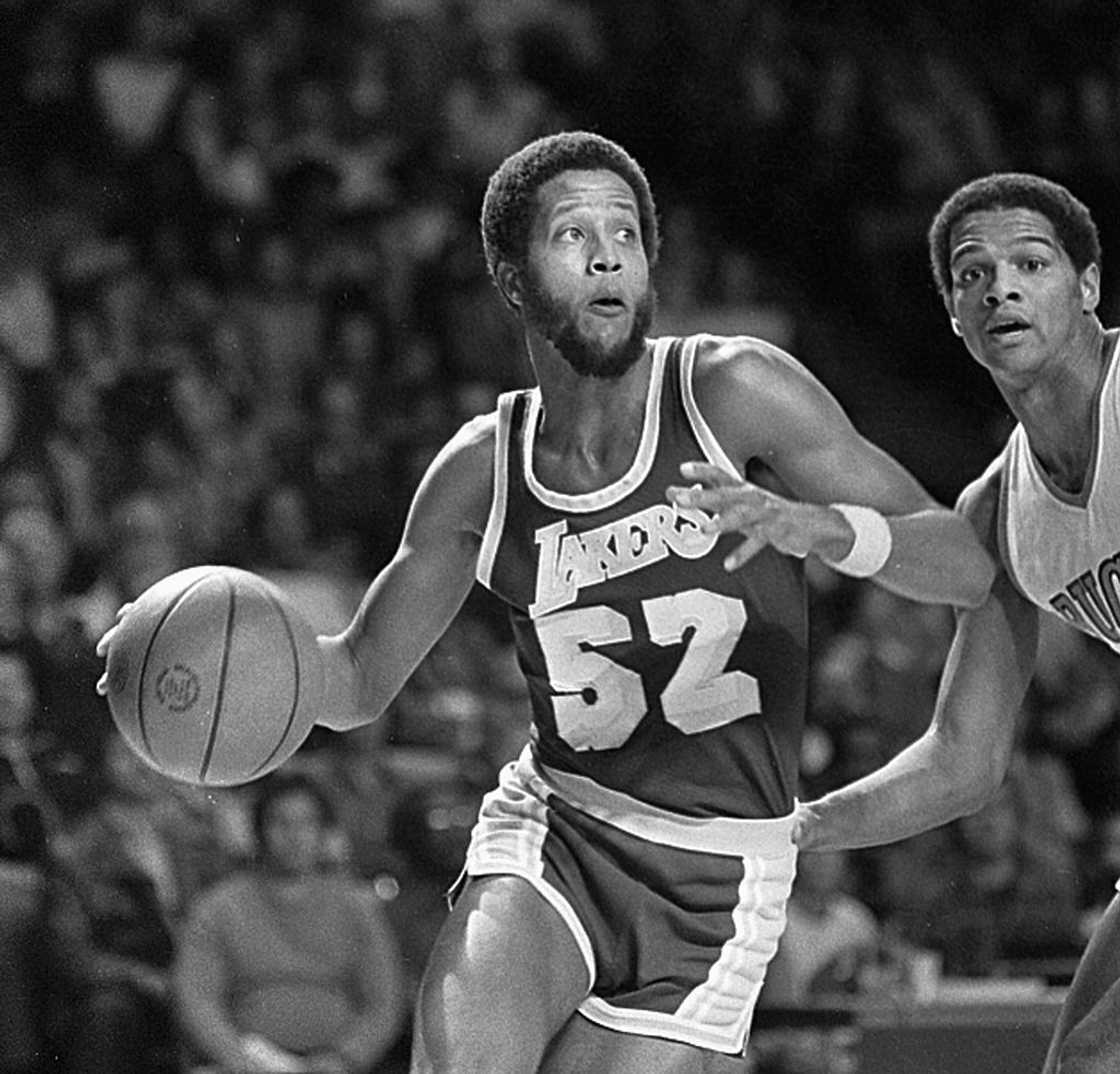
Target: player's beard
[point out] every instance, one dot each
(586, 356)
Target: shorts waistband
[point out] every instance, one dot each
(766, 837)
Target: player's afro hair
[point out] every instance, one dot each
(1072, 221)
(507, 208)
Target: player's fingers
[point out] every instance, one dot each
(102, 686)
(740, 496)
(754, 544)
(105, 641)
(707, 474)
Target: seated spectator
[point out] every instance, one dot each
(30, 985)
(121, 864)
(288, 966)
(830, 935)
(1000, 888)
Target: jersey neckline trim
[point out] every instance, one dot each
(1079, 499)
(635, 474)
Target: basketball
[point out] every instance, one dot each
(214, 676)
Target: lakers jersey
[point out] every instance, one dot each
(1063, 551)
(652, 671)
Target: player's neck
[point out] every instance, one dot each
(589, 427)
(1058, 412)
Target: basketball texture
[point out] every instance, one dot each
(214, 676)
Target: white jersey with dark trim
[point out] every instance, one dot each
(1062, 550)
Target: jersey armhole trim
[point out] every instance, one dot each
(709, 443)
(495, 521)
(1002, 463)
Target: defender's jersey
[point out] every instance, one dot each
(1063, 550)
(652, 671)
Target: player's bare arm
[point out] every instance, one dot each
(962, 758)
(414, 598)
(766, 408)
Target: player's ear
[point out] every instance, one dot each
(509, 283)
(953, 322)
(1090, 288)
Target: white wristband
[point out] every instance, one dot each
(872, 545)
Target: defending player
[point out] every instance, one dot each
(1017, 260)
(633, 864)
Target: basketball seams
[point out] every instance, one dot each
(223, 666)
(140, 714)
(243, 677)
(296, 685)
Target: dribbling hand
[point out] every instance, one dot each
(104, 643)
(764, 518)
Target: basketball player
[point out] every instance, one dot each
(633, 865)
(1017, 260)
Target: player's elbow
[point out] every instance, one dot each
(979, 774)
(971, 767)
(976, 571)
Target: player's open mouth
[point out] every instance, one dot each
(1007, 328)
(608, 305)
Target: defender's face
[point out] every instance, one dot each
(1016, 299)
(586, 287)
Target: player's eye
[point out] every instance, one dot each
(968, 274)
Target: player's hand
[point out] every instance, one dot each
(802, 821)
(764, 518)
(261, 1056)
(104, 644)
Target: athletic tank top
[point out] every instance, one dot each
(651, 670)
(1063, 550)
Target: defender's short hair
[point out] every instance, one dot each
(1072, 221)
(507, 208)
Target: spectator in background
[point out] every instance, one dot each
(997, 888)
(287, 966)
(122, 866)
(287, 549)
(1071, 713)
(33, 952)
(830, 936)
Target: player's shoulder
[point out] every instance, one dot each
(750, 360)
(733, 376)
(471, 447)
(979, 502)
(458, 484)
(979, 499)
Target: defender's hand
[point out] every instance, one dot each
(764, 518)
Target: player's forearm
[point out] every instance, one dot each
(936, 558)
(923, 787)
(349, 701)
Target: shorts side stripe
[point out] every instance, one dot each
(508, 840)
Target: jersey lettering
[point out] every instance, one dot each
(567, 562)
(1092, 600)
(598, 703)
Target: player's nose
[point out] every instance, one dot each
(1002, 286)
(604, 258)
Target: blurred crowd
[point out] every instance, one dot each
(242, 302)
